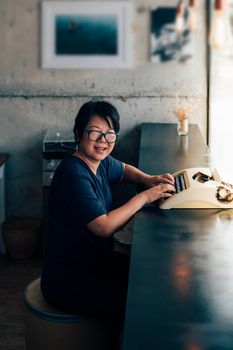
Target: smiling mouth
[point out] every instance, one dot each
(101, 148)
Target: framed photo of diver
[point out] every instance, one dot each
(86, 34)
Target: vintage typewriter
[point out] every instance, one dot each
(199, 188)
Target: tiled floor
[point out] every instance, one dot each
(14, 277)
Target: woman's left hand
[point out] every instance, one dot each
(155, 180)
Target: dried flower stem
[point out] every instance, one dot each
(182, 112)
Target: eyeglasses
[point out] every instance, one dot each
(94, 135)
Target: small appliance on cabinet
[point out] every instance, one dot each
(56, 146)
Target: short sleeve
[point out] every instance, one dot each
(83, 201)
(115, 169)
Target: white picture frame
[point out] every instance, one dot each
(86, 34)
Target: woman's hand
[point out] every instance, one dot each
(159, 191)
(155, 180)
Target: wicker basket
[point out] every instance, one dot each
(21, 236)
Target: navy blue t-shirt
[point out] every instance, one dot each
(77, 196)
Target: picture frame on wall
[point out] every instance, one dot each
(86, 34)
(165, 44)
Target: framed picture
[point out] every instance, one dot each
(86, 34)
(165, 44)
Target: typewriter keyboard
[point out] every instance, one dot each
(179, 183)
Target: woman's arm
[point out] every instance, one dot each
(105, 225)
(134, 175)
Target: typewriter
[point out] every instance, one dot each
(199, 188)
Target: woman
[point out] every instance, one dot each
(80, 270)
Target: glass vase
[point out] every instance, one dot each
(182, 127)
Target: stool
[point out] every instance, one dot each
(50, 329)
(123, 238)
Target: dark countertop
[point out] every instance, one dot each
(162, 150)
(180, 294)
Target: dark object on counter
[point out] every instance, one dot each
(21, 236)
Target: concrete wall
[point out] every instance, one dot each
(33, 99)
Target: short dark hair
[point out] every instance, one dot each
(90, 109)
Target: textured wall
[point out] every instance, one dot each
(32, 99)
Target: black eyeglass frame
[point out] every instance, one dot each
(88, 131)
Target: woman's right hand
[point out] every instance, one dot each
(159, 191)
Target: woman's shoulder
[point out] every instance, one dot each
(110, 161)
(113, 167)
(71, 162)
(72, 166)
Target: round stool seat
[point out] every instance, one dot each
(49, 328)
(123, 238)
(37, 305)
(125, 235)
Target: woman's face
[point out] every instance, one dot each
(99, 149)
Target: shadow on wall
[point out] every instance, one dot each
(126, 150)
(127, 147)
